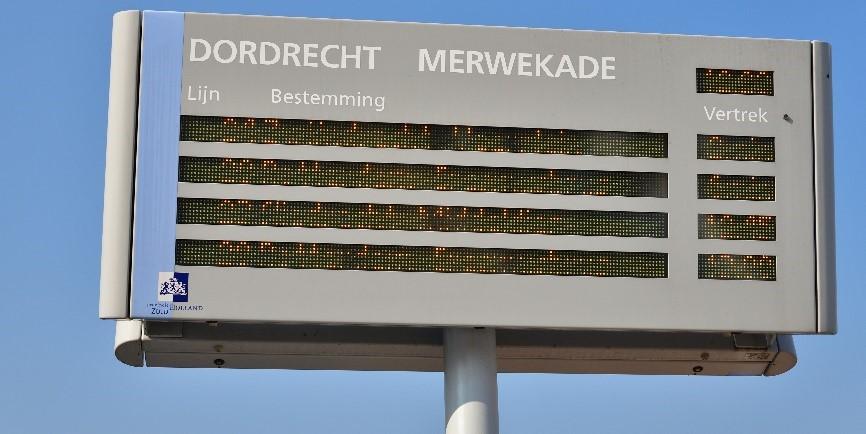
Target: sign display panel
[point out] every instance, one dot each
(326, 171)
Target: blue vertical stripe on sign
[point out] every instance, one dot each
(156, 158)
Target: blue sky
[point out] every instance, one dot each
(57, 370)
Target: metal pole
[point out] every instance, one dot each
(471, 401)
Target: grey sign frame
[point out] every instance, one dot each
(649, 69)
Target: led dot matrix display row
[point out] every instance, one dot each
(420, 217)
(264, 254)
(737, 227)
(739, 148)
(736, 187)
(423, 136)
(727, 81)
(421, 177)
(736, 267)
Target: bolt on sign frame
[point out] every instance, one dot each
(290, 172)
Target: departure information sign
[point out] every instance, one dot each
(288, 170)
